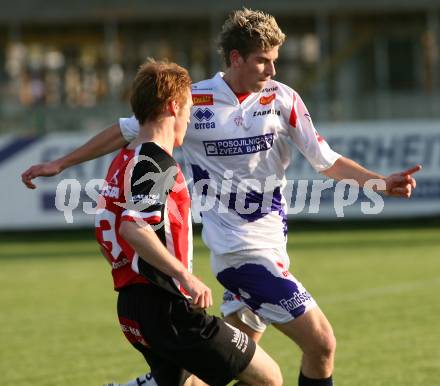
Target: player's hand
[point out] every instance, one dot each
(46, 169)
(401, 184)
(200, 293)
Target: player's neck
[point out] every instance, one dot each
(234, 81)
(160, 132)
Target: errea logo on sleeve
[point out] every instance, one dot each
(203, 116)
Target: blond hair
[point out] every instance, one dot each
(246, 30)
(155, 85)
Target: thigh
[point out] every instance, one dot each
(236, 312)
(133, 309)
(175, 334)
(261, 280)
(236, 321)
(164, 371)
(310, 331)
(208, 347)
(262, 370)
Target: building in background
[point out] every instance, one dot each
(69, 65)
(369, 71)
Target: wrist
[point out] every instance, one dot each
(384, 186)
(59, 165)
(182, 274)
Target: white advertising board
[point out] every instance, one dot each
(385, 147)
(21, 208)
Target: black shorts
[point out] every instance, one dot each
(177, 341)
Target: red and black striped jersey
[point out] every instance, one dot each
(144, 185)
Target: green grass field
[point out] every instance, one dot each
(379, 285)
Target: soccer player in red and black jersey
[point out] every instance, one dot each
(144, 229)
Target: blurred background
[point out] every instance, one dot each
(369, 72)
(67, 65)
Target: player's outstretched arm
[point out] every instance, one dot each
(149, 247)
(398, 184)
(103, 143)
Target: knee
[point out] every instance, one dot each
(269, 374)
(325, 346)
(274, 378)
(329, 345)
(322, 346)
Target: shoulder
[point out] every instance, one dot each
(151, 157)
(154, 169)
(283, 93)
(279, 88)
(287, 95)
(203, 86)
(203, 93)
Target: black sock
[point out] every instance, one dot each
(305, 381)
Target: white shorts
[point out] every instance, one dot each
(260, 280)
(233, 305)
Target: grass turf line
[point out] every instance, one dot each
(378, 287)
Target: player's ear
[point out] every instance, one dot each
(173, 107)
(235, 58)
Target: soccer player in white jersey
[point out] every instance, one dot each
(239, 141)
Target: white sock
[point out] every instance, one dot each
(146, 380)
(142, 380)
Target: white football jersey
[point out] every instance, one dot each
(242, 151)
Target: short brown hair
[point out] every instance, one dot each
(246, 30)
(155, 85)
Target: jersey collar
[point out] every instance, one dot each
(223, 87)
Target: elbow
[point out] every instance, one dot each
(130, 232)
(335, 171)
(124, 230)
(331, 172)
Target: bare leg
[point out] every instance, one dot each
(235, 321)
(261, 371)
(194, 381)
(313, 333)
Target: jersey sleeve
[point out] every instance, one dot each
(302, 131)
(150, 184)
(129, 128)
